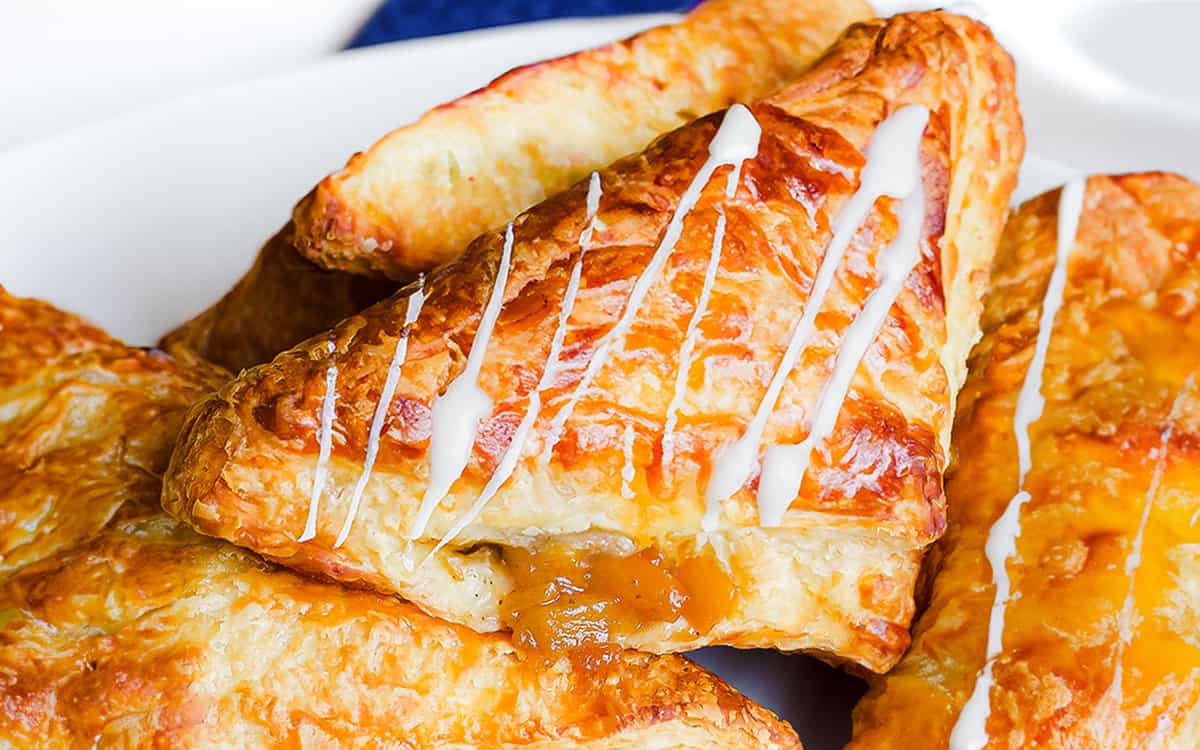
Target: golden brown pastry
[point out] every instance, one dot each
(419, 195)
(1097, 636)
(122, 628)
(560, 433)
(422, 192)
(282, 300)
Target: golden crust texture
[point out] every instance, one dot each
(122, 628)
(415, 199)
(282, 300)
(836, 579)
(421, 193)
(1099, 646)
(71, 395)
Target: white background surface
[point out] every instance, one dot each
(69, 62)
(139, 220)
(142, 220)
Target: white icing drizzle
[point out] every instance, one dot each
(1134, 560)
(462, 406)
(325, 447)
(970, 731)
(888, 172)
(627, 469)
(413, 309)
(688, 347)
(568, 301)
(784, 466)
(516, 447)
(735, 141)
(593, 207)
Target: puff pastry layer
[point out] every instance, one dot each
(424, 191)
(1099, 645)
(120, 627)
(601, 542)
(416, 198)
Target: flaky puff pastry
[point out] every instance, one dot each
(122, 628)
(416, 198)
(1099, 643)
(596, 537)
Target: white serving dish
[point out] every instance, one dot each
(140, 221)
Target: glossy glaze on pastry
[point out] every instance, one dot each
(417, 197)
(423, 192)
(412, 311)
(120, 627)
(1077, 469)
(835, 574)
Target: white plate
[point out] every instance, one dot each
(141, 221)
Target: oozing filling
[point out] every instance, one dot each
(570, 599)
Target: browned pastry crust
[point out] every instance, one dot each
(1125, 341)
(421, 193)
(72, 396)
(837, 578)
(282, 300)
(122, 628)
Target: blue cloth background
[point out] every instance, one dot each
(408, 19)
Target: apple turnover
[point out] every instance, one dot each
(1065, 611)
(416, 198)
(702, 397)
(121, 627)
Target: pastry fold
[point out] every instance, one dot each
(1098, 633)
(416, 198)
(120, 627)
(577, 517)
(421, 193)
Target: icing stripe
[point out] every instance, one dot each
(1134, 560)
(462, 406)
(887, 172)
(735, 141)
(627, 469)
(687, 350)
(970, 731)
(411, 311)
(568, 302)
(784, 466)
(516, 447)
(325, 447)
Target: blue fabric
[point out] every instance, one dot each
(408, 19)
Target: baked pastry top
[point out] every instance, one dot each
(120, 627)
(629, 349)
(1088, 580)
(418, 196)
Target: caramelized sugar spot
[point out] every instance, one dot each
(568, 599)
